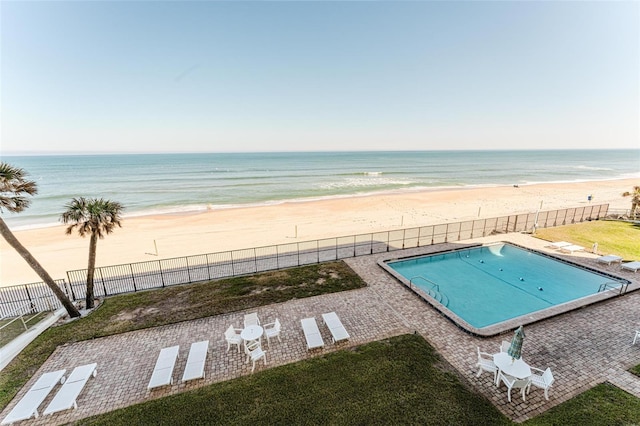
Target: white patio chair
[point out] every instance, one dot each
(272, 330)
(504, 346)
(543, 381)
(513, 383)
(635, 338)
(251, 319)
(485, 363)
(232, 337)
(250, 345)
(254, 353)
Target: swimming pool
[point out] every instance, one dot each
(484, 288)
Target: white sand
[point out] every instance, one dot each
(221, 230)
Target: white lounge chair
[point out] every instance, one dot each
(196, 361)
(272, 330)
(631, 266)
(251, 319)
(504, 346)
(162, 374)
(28, 405)
(559, 244)
(609, 259)
(485, 363)
(338, 332)
(232, 336)
(513, 383)
(66, 397)
(311, 333)
(635, 338)
(571, 248)
(542, 381)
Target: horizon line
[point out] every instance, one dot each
(87, 153)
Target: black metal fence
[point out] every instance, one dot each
(39, 297)
(131, 277)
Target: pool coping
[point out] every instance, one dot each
(513, 323)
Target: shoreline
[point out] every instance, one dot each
(203, 208)
(209, 231)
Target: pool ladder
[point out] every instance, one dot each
(433, 291)
(613, 285)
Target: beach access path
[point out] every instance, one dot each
(583, 348)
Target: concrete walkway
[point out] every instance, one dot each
(583, 348)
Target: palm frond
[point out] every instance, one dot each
(13, 188)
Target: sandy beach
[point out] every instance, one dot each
(230, 229)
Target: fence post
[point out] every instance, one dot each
(69, 288)
(133, 277)
(26, 287)
(104, 287)
(188, 269)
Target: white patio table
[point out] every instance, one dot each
(252, 332)
(516, 368)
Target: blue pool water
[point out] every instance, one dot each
(490, 284)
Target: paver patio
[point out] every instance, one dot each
(583, 348)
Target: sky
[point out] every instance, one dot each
(203, 76)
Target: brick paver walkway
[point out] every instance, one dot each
(583, 347)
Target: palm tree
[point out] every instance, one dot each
(635, 200)
(13, 188)
(94, 216)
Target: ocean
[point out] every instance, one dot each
(173, 183)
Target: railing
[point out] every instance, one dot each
(19, 314)
(110, 280)
(620, 287)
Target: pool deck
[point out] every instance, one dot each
(583, 347)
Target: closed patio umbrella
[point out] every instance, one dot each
(515, 350)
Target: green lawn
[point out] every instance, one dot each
(152, 308)
(604, 404)
(402, 380)
(613, 237)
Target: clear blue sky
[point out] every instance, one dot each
(147, 76)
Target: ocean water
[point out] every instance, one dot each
(171, 183)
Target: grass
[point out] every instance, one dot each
(152, 308)
(397, 381)
(613, 237)
(604, 404)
